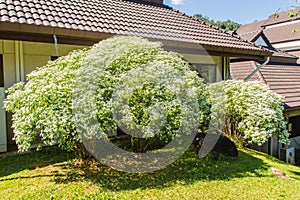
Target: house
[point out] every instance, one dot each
(34, 31)
(281, 30)
(281, 73)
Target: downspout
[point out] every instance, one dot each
(17, 61)
(267, 60)
(22, 69)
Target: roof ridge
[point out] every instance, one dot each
(148, 3)
(247, 33)
(226, 32)
(255, 22)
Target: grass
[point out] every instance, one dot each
(54, 174)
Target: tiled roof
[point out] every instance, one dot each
(283, 33)
(240, 70)
(119, 17)
(250, 35)
(282, 17)
(279, 53)
(284, 79)
(252, 27)
(276, 29)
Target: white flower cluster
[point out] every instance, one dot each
(250, 109)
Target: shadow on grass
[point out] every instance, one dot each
(296, 173)
(16, 163)
(188, 169)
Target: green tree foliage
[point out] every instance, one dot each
(226, 25)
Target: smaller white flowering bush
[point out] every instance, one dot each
(249, 109)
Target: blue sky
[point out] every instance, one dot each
(241, 11)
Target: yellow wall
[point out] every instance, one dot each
(28, 54)
(206, 59)
(292, 113)
(34, 54)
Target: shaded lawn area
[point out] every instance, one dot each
(54, 174)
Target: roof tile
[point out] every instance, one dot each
(22, 20)
(120, 16)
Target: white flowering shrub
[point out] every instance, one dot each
(249, 109)
(43, 107)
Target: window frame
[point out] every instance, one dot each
(208, 66)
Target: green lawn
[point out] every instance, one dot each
(53, 174)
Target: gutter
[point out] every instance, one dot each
(267, 60)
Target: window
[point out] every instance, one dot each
(261, 42)
(54, 58)
(295, 129)
(207, 71)
(1, 71)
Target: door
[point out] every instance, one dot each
(3, 132)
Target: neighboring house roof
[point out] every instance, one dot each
(279, 53)
(283, 33)
(281, 17)
(251, 28)
(281, 74)
(284, 79)
(91, 17)
(277, 29)
(250, 36)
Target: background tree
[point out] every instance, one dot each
(226, 25)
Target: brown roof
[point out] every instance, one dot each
(282, 17)
(284, 79)
(252, 27)
(279, 53)
(283, 33)
(117, 17)
(276, 29)
(276, 52)
(240, 70)
(250, 36)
